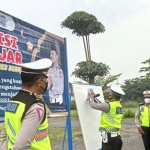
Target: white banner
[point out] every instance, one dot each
(88, 117)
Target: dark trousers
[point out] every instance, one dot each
(146, 137)
(114, 143)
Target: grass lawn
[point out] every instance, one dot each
(74, 114)
(132, 109)
(57, 133)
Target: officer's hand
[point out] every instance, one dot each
(91, 96)
(89, 100)
(140, 130)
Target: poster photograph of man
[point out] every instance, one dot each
(55, 79)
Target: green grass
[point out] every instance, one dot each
(57, 133)
(129, 108)
(130, 104)
(74, 114)
(127, 105)
(132, 109)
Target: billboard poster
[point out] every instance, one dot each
(21, 42)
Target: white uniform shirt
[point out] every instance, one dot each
(105, 107)
(55, 83)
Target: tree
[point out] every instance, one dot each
(134, 88)
(131, 89)
(105, 80)
(88, 72)
(83, 24)
(146, 69)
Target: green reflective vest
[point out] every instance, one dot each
(111, 122)
(14, 114)
(144, 115)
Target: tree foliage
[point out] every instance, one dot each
(103, 81)
(83, 24)
(88, 72)
(147, 68)
(134, 87)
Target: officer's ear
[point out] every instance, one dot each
(38, 82)
(113, 95)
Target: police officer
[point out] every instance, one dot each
(110, 122)
(142, 120)
(26, 124)
(55, 79)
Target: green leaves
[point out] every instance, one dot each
(134, 88)
(88, 71)
(105, 80)
(146, 69)
(83, 24)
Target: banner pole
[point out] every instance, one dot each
(69, 129)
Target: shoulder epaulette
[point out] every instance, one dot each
(140, 104)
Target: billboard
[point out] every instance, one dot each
(21, 42)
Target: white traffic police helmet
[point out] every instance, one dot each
(146, 96)
(117, 89)
(40, 66)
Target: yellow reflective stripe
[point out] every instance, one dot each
(10, 141)
(41, 134)
(110, 117)
(11, 128)
(108, 130)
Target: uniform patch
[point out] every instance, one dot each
(12, 107)
(119, 110)
(142, 109)
(40, 113)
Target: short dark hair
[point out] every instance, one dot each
(54, 48)
(29, 79)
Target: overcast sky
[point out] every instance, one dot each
(124, 45)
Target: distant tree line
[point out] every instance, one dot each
(134, 87)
